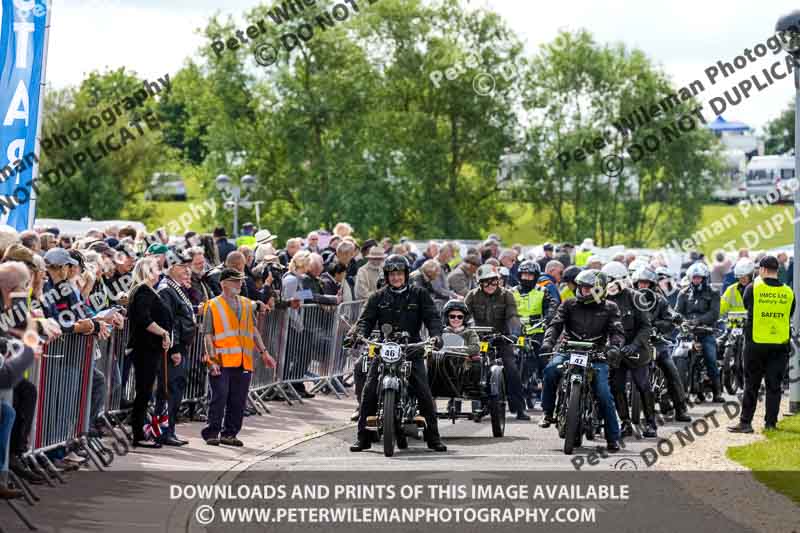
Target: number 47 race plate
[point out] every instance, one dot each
(578, 359)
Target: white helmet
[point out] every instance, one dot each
(615, 271)
(636, 264)
(744, 267)
(697, 269)
(486, 272)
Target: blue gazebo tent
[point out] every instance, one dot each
(720, 125)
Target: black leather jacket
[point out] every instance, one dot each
(699, 303)
(183, 325)
(405, 311)
(661, 315)
(582, 321)
(636, 324)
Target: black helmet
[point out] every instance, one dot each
(571, 273)
(594, 279)
(455, 305)
(529, 267)
(395, 263)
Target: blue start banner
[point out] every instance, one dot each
(23, 46)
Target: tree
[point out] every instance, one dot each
(780, 132)
(575, 92)
(98, 188)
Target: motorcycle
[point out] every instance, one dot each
(527, 361)
(396, 406)
(480, 378)
(688, 357)
(577, 413)
(732, 362)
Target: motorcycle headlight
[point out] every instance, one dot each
(391, 352)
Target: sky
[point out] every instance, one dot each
(682, 37)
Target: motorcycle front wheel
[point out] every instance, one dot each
(389, 426)
(573, 430)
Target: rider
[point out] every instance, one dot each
(732, 299)
(589, 315)
(456, 316)
(533, 304)
(568, 282)
(494, 306)
(666, 286)
(663, 323)
(700, 304)
(405, 308)
(637, 352)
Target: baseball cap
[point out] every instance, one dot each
(58, 257)
(157, 248)
(548, 247)
(230, 273)
(770, 262)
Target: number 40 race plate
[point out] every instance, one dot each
(578, 359)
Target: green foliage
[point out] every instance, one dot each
(780, 132)
(575, 91)
(98, 189)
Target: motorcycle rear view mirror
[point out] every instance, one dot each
(386, 329)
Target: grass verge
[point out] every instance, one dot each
(775, 462)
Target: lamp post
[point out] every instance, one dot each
(236, 195)
(788, 32)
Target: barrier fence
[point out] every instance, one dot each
(76, 372)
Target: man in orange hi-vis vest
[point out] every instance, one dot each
(230, 338)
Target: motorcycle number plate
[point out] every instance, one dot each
(578, 359)
(372, 350)
(390, 352)
(521, 341)
(484, 347)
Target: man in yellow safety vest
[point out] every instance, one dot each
(582, 257)
(230, 338)
(732, 300)
(769, 305)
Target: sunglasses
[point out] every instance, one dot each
(455, 317)
(492, 282)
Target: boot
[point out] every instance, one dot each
(547, 421)
(681, 413)
(437, 446)
(650, 431)
(717, 391)
(9, 494)
(627, 429)
(362, 443)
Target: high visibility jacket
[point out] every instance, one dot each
(771, 309)
(567, 293)
(529, 305)
(246, 240)
(581, 258)
(731, 301)
(234, 336)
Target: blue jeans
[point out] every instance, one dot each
(709, 343)
(7, 416)
(600, 387)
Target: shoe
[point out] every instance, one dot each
(24, 471)
(547, 421)
(172, 441)
(437, 446)
(9, 494)
(741, 427)
(231, 441)
(355, 415)
(522, 415)
(770, 427)
(182, 441)
(65, 466)
(212, 441)
(682, 416)
(360, 445)
(74, 458)
(627, 429)
(718, 399)
(650, 431)
(612, 446)
(146, 444)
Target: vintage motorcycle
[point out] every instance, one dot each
(732, 361)
(688, 357)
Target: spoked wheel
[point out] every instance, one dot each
(572, 432)
(497, 410)
(729, 378)
(389, 426)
